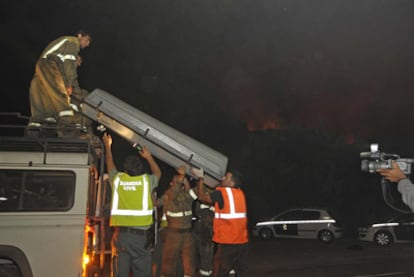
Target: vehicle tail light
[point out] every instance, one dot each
(88, 247)
(85, 259)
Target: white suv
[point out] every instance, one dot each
(305, 223)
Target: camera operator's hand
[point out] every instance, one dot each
(394, 174)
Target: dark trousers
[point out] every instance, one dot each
(230, 256)
(204, 246)
(129, 254)
(178, 247)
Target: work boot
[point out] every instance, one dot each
(41, 128)
(68, 128)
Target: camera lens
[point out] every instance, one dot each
(364, 166)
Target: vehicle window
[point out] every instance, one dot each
(300, 215)
(36, 190)
(292, 215)
(334, 215)
(9, 268)
(311, 215)
(406, 218)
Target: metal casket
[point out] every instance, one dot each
(164, 142)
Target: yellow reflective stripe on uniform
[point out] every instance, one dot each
(205, 272)
(179, 214)
(232, 213)
(55, 47)
(145, 204)
(66, 113)
(193, 194)
(63, 58)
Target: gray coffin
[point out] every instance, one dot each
(164, 142)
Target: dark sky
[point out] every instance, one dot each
(342, 66)
(217, 68)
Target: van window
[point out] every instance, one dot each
(36, 190)
(9, 268)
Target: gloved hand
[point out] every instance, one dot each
(198, 172)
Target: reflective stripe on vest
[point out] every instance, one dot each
(232, 213)
(230, 221)
(146, 207)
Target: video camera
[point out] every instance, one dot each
(374, 160)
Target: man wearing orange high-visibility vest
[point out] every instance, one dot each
(229, 225)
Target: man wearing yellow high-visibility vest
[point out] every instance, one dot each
(131, 211)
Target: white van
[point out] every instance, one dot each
(51, 218)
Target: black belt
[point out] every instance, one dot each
(132, 230)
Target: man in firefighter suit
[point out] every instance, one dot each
(54, 79)
(131, 212)
(179, 242)
(230, 232)
(203, 231)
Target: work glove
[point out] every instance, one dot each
(198, 172)
(74, 107)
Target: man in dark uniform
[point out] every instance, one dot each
(203, 231)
